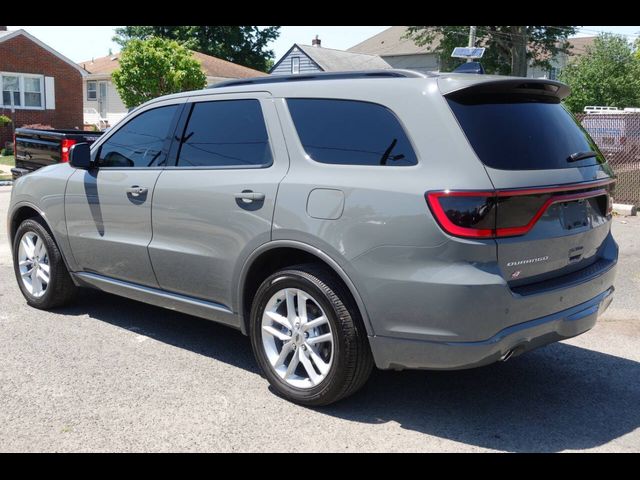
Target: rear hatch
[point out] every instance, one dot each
(550, 209)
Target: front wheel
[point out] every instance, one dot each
(40, 270)
(307, 336)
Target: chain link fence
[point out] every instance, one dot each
(618, 137)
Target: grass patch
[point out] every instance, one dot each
(8, 160)
(5, 177)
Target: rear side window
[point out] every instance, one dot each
(225, 133)
(141, 142)
(523, 135)
(345, 132)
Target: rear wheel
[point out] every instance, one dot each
(39, 268)
(307, 337)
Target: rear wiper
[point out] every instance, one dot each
(387, 152)
(574, 157)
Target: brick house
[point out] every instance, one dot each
(39, 84)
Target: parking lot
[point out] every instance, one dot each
(110, 374)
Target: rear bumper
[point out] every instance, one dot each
(397, 353)
(18, 172)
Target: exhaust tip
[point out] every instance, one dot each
(514, 352)
(506, 356)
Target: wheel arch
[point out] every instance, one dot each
(297, 253)
(24, 211)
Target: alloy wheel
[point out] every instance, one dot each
(297, 338)
(33, 262)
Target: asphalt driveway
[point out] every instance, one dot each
(109, 374)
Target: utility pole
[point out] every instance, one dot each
(472, 40)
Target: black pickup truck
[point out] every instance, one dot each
(35, 149)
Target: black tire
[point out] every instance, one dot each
(60, 290)
(352, 362)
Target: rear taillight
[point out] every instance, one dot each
(464, 214)
(65, 147)
(505, 213)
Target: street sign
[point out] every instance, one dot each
(468, 52)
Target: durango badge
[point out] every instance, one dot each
(528, 260)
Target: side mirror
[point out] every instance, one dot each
(80, 156)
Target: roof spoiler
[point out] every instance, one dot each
(532, 87)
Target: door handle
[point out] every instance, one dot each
(135, 190)
(249, 197)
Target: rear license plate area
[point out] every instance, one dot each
(574, 215)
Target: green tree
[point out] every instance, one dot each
(244, 45)
(154, 67)
(608, 75)
(508, 48)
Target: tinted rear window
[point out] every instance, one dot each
(346, 132)
(531, 135)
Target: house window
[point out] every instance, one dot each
(23, 91)
(92, 90)
(295, 65)
(553, 73)
(10, 88)
(33, 92)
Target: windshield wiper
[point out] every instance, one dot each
(574, 157)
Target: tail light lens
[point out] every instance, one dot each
(64, 150)
(465, 214)
(505, 213)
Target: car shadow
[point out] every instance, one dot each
(560, 397)
(195, 334)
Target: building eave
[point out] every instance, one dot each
(15, 33)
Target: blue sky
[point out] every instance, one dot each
(83, 43)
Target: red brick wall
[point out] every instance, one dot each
(21, 55)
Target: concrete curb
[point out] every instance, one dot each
(626, 210)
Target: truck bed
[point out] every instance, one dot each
(35, 148)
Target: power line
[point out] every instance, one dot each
(588, 31)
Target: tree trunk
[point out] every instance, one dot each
(519, 40)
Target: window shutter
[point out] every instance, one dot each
(50, 93)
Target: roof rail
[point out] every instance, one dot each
(320, 76)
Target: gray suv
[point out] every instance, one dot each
(387, 218)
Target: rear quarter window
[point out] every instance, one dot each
(346, 132)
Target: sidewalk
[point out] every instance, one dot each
(5, 170)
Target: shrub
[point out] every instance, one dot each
(154, 67)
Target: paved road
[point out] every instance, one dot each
(112, 374)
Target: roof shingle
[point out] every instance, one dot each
(211, 66)
(338, 60)
(392, 42)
